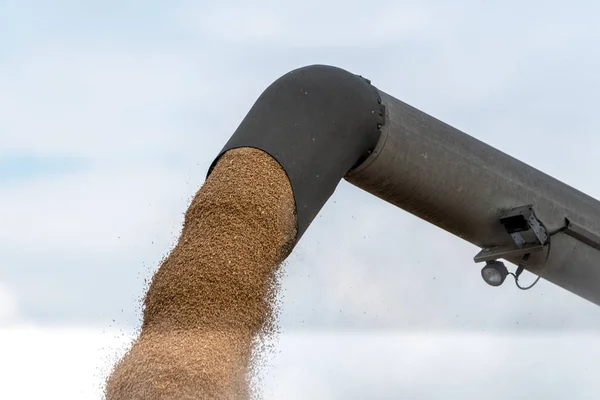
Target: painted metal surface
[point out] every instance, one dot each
(465, 186)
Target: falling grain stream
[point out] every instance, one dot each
(212, 302)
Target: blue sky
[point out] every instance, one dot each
(111, 113)
(20, 169)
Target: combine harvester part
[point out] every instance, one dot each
(322, 124)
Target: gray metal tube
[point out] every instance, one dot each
(464, 186)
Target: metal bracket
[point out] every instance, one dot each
(527, 232)
(583, 235)
(494, 253)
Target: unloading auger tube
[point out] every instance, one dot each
(322, 124)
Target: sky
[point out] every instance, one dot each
(111, 113)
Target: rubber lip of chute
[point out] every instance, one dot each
(318, 122)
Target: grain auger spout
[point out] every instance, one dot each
(323, 124)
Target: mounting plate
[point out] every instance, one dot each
(494, 253)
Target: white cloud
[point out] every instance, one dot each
(310, 23)
(102, 210)
(94, 102)
(433, 366)
(67, 363)
(8, 306)
(72, 362)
